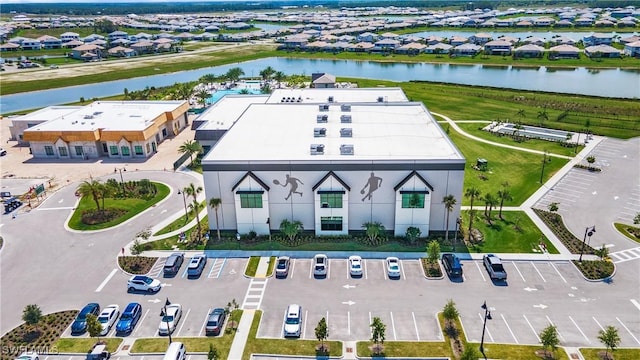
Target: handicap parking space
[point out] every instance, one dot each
(156, 269)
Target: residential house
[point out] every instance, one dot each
(583, 21)
(564, 52)
(458, 40)
(439, 48)
(528, 51)
(295, 41)
(71, 44)
(563, 23)
(120, 42)
(466, 50)
(597, 39)
(562, 40)
(69, 36)
(87, 52)
(632, 49)
(50, 42)
(361, 47)
(367, 37)
(497, 47)
(92, 37)
(480, 38)
(385, 45)
(389, 35)
(120, 51)
(163, 44)
(9, 47)
(432, 40)
(143, 47)
(30, 44)
(630, 39)
(524, 24)
(534, 41)
(238, 26)
(117, 35)
(543, 22)
(323, 81)
(411, 48)
(602, 51)
(316, 46)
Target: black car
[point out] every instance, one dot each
(79, 325)
(452, 265)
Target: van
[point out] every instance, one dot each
(176, 351)
(293, 321)
(173, 263)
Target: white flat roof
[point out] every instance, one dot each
(108, 115)
(340, 95)
(48, 113)
(402, 131)
(222, 114)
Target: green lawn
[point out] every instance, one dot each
(619, 354)
(625, 229)
(179, 222)
(132, 206)
(84, 345)
(252, 266)
(502, 236)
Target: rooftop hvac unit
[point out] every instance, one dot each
(323, 107)
(330, 99)
(322, 118)
(346, 132)
(346, 149)
(88, 116)
(346, 119)
(380, 99)
(317, 149)
(319, 132)
(345, 107)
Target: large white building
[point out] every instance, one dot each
(333, 159)
(113, 129)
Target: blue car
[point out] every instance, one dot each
(129, 318)
(79, 325)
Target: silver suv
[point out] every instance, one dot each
(143, 283)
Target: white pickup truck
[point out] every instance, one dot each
(494, 267)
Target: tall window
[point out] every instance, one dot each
(331, 200)
(48, 150)
(125, 150)
(331, 223)
(78, 150)
(63, 151)
(138, 150)
(413, 201)
(113, 150)
(251, 201)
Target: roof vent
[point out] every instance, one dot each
(346, 119)
(324, 107)
(322, 118)
(317, 149)
(88, 116)
(330, 99)
(380, 99)
(345, 107)
(346, 149)
(346, 132)
(319, 132)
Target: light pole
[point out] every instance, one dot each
(487, 315)
(590, 230)
(121, 178)
(544, 161)
(166, 319)
(184, 201)
(455, 236)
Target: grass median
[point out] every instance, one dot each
(84, 345)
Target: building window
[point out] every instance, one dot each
(78, 150)
(331, 223)
(63, 151)
(125, 150)
(331, 200)
(48, 150)
(413, 201)
(251, 201)
(113, 150)
(138, 150)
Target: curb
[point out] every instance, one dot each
(604, 279)
(432, 278)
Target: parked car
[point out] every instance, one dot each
(99, 352)
(393, 267)
(79, 325)
(494, 267)
(28, 355)
(355, 265)
(196, 265)
(173, 263)
(3, 152)
(452, 265)
(54, 66)
(320, 265)
(129, 318)
(215, 321)
(293, 321)
(170, 319)
(282, 266)
(143, 283)
(108, 317)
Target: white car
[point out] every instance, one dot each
(108, 317)
(143, 283)
(29, 355)
(393, 267)
(355, 265)
(320, 265)
(170, 320)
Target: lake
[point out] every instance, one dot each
(618, 83)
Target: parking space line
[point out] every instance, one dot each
(538, 271)
(349, 270)
(518, 270)
(393, 326)
(581, 332)
(304, 329)
(384, 270)
(480, 271)
(213, 266)
(531, 326)
(327, 319)
(328, 269)
(139, 325)
(311, 270)
(635, 303)
(509, 328)
(106, 280)
(183, 321)
(594, 319)
(365, 268)
(293, 267)
(402, 269)
(629, 331)
(556, 269)
(184, 273)
(486, 327)
(415, 325)
(370, 328)
(224, 262)
(205, 322)
(552, 324)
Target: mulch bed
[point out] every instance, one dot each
(431, 269)
(138, 265)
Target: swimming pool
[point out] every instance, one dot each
(220, 93)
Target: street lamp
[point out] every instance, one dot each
(184, 200)
(487, 315)
(166, 318)
(455, 236)
(590, 230)
(544, 161)
(121, 178)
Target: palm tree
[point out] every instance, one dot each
(449, 201)
(503, 195)
(489, 203)
(290, 228)
(202, 95)
(234, 74)
(521, 113)
(472, 193)
(267, 73)
(279, 76)
(215, 203)
(543, 115)
(208, 78)
(195, 206)
(193, 191)
(190, 147)
(91, 187)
